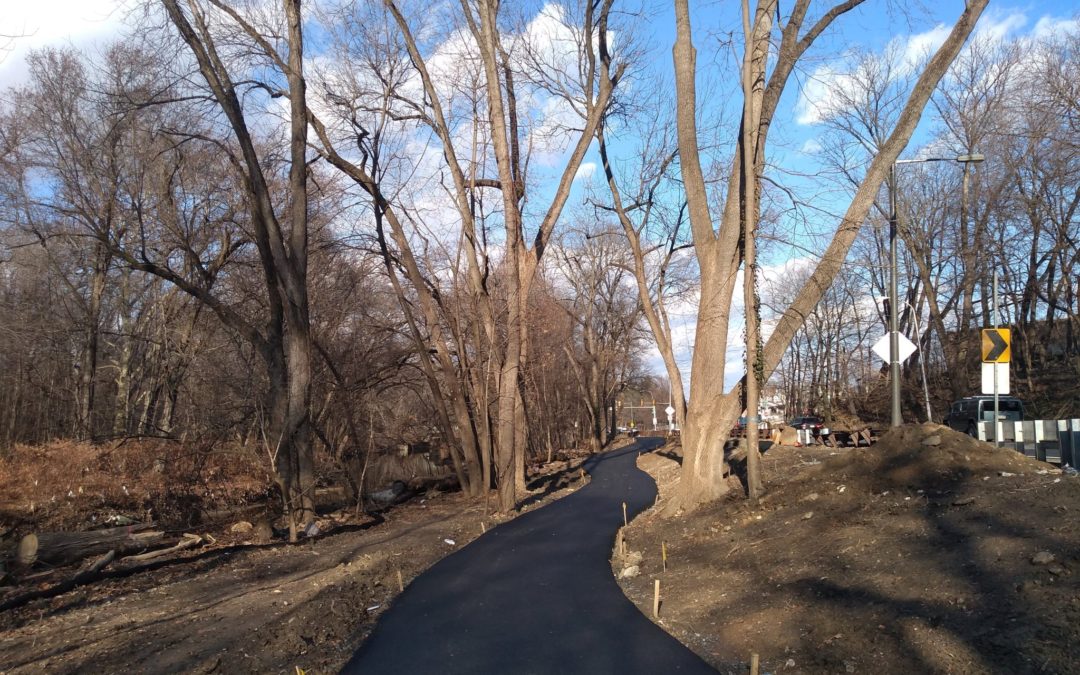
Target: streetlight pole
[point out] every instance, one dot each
(894, 304)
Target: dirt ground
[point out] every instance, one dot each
(238, 607)
(929, 552)
(907, 557)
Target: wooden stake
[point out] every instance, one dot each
(656, 599)
(400, 583)
(624, 523)
(619, 541)
(663, 553)
(483, 528)
(754, 664)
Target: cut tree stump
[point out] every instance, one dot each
(61, 548)
(26, 555)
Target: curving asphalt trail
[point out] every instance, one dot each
(534, 595)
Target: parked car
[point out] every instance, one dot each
(739, 430)
(814, 424)
(965, 414)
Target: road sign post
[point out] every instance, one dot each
(996, 352)
(996, 355)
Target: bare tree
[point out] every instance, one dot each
(504, 70)
(712, 411)
(655, 230)
(280, 234)
(605, 311)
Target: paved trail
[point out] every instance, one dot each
(534, 595)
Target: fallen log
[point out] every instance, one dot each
(61, 548)
(188, 541)
(89, 572)
(86, 574)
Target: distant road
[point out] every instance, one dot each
(534, 595)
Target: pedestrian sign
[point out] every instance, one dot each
(995, 345)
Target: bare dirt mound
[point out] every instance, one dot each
(927, 456)
(928, 552)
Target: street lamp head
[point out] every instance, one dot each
(972, 158)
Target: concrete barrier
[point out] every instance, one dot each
(1056, 441)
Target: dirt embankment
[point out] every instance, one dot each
(929, 552)
(236, 607)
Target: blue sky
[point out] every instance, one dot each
(795, 141)
(797, 137)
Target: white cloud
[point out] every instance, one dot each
(586, 170)
(812, 146)
(821, 94)
(831, 84)
(1049, 26)
(995, 28)
(920, 46)
(41, 23)
(832, 87)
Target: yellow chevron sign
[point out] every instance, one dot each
(996, 345)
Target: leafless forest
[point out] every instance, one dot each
(309, 234)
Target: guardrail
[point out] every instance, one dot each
(1056, 441)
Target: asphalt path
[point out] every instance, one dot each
(534, 595)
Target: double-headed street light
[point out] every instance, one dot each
(894, 305)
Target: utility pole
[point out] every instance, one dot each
(894, 303)
(894, 306)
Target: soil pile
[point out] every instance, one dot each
(928, 552)
(927, 456)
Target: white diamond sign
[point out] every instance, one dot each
(906, 347)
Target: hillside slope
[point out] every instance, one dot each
(929, 552)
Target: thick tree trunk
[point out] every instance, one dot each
(89, 361)
(286, 347)
(704, 430)
(508, 394)
(711, 414)
(298, 431)
(754, 61)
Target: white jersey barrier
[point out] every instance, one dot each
(1056, 441)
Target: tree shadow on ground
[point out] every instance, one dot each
(988, 618)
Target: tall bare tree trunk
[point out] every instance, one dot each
(711, 414)
(299, 347)
(88, 362)
(122, 405)
(753, 81)
(286, 346)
